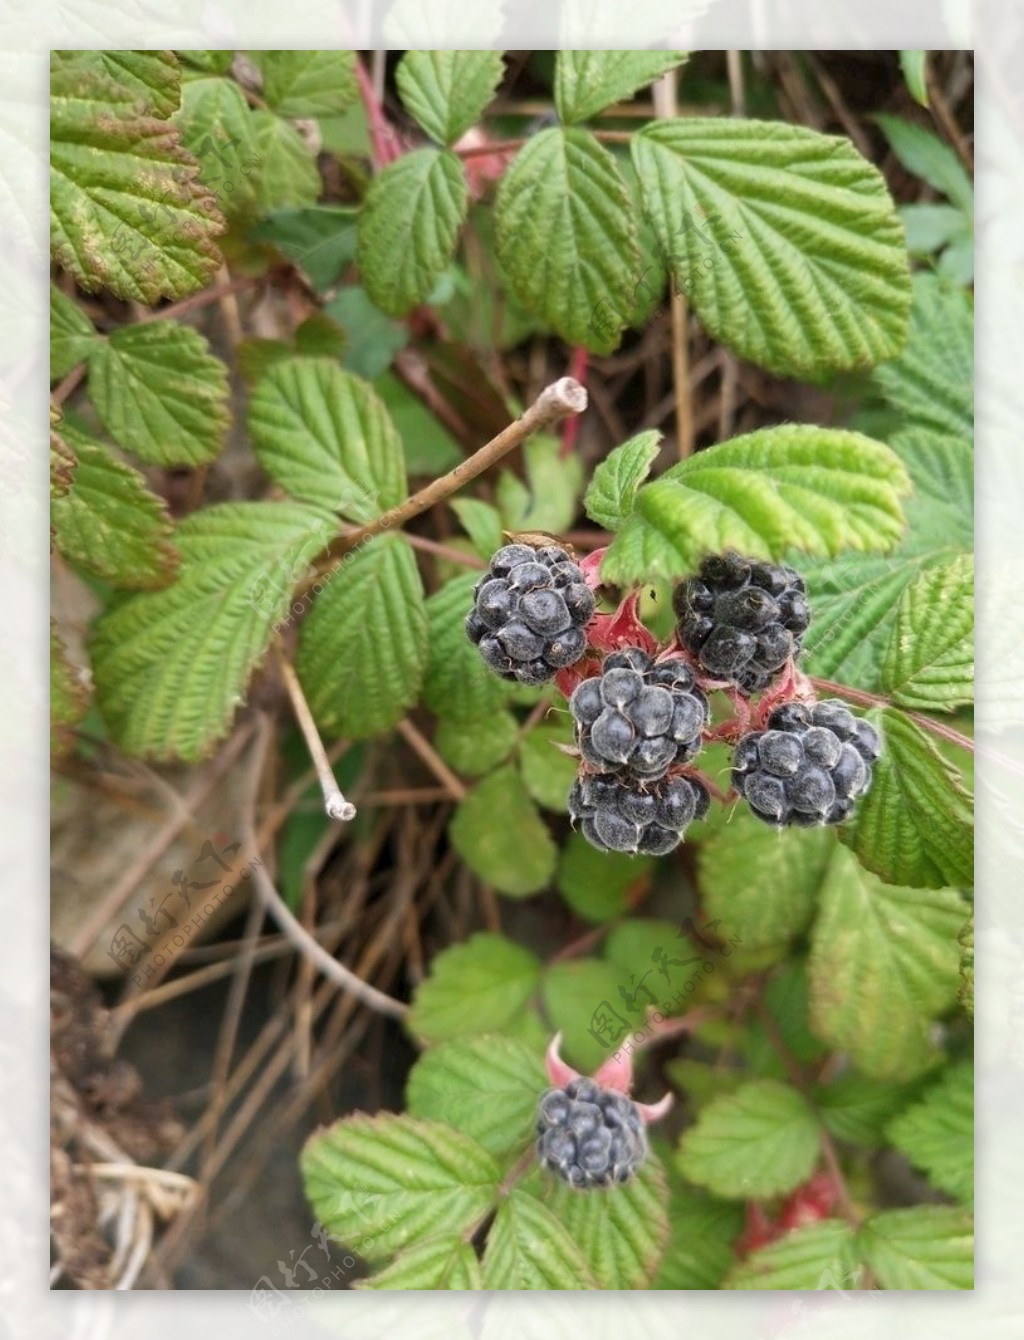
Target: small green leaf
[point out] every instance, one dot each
(857, 1108)
(916, 824)
(302, 84)
(612, 490)
(428, 447)
(288, 175)
(586, 82)
(528, 1248)
(820, 490)
(930, 227)
(363, 646)
(567, 238)
(596, 884)
(63, 462)
(819, 1256)
(72, 337)
(444, 1262)
(473, 746)
(927, 157)
(549, 499)
(883, 963)
(447, 91)
(374, 338)
(930, 661)
(785, 241)
(320, 240)
(925, 1247)
(763, 884)
(487, 1087)
(759, 1141)
(913, 64)
(161, 394)
(547, 771)
(326, 437)
(109, 523)
(965, 993)
(482, 523)
(69, 697)
(500, 835)
(172, 666)
(477, 987)
(458, 683)
(786, 997)
(217, 126)
(387, 1182)
(408, 227)
(702, 1231)
(210, 62)
(320, 336)
(937, 1133)
(582, 1001)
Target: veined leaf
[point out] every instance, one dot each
(819, 1256)
(583, 1003)
(288, 175)
(612, 490)
(567, 238)
(516, 854)
(363, 647)
(926, 156)
(150, 80)
(883, 963)
(63, 462)
(702, 1231)
(930, 661)
(326, 437)
(72, 337)
(447, 91)
(383, 1183)
(528, 1248)
(482, 523)
(217, 126)
(549, 498)
(547, 771)
(69, 697)
(443, 1262)
(786, 241)
(474, 746)
(408, 227)
(457, 683)
(320, 240)
(172, 666)
(127, 212)
(308, 83)
(925, 1247)
(109, 523)
(916, 825)
(160, 393)
(586, 82)
(476, 987)
(819, 490)
(759, 1141)
(937, 1133)
(596, 884)
(965, 993)
(857, 1108)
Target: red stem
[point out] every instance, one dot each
(571, 427)
(382, 136)
(865, 699)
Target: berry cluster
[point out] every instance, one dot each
(808, 767)
(742, 619)
(529, 613)
(631, 815)
(590, 1136)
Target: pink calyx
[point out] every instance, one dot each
(615, 1073)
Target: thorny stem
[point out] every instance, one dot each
(335, 804)
(865, 699)
(513, 145)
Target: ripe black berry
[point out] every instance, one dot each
(529, 614)
(742, 618)
(625, 813)
(639, 715)
(808, 767)
(590, 1136)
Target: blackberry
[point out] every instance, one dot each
(808, 767)
(628, 814)
(529, 613)
(742, 618)
(638, 715)
(590, 1136)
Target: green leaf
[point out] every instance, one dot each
(548, 501)
(109, 523)
(161, 393)
(210, 62)
(857, 1108)
(527, 1248)
(613, 488)
(819, 490)
(473, 746)
(172, 666)
(763, 884)
(447, 91)
(759, 1141)
(476, 987)
(444, 1262)
(69, 697)
(386, 1182)
(428, 447)
(72, 337)
(298, 84)
(150, 80)
(930, 227)
(320, 335)
(374, 338)
(916, 824)
(566, 237)
(500, 835)
(937, 1134)
(288, 173)
(913, 64)
(363, 646)
(785, 241)
(582, 1001)
(930, 660)
(622, 1231)
(482, 523)
(925, 1247)
(458, 683)
(326, 437)
(702, 1231)
(586, 82)
(217, 126)
(547, 771)
(965, 993)
(596, 884)
(927, 157)
(883, 963)
(487, 1087)
(320, 240)
(63, 462)
(408, 227)
(819, 1256)
(786, 997)
(127, 212)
